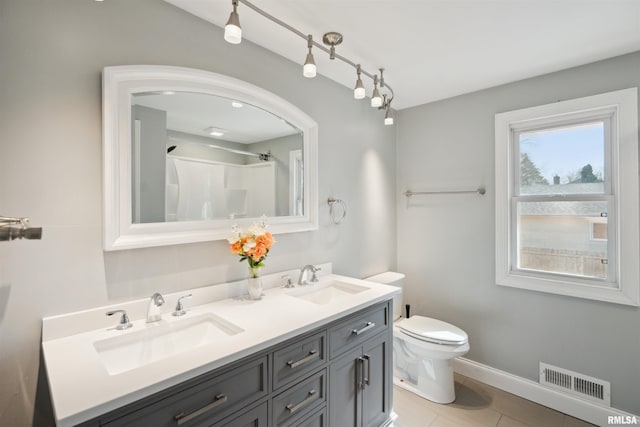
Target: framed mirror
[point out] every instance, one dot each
(188, 153)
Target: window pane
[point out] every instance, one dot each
(563, 160)
(560, 237)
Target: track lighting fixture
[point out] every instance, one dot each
(233, 31)
(358, 91)
(376, 99)
(309, 69)
(233, 34)
(388, 118)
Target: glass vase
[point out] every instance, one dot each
(254, 285)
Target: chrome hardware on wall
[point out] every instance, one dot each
(18, 228)
(480, 191)
(335, 218)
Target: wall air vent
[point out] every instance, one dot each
(577, 384)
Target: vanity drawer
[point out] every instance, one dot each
(203, 403)
(318, 419)
(299, 400)
(256, 417)
(298, 359)
(358, 328)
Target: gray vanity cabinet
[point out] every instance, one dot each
(337, 375)
(256, 417)
(360, 377)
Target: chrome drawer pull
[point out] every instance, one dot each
(218, 400)
(294, 408)
(370, 325)
(313, 354)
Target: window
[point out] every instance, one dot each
(567, 198)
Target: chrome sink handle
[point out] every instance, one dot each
(124, 319)
(180, 311)
(289, 282)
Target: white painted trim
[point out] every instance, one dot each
(625, 188)
(118, 85)
(535, 392)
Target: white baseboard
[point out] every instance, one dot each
(535, 392)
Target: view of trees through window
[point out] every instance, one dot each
(557, 236)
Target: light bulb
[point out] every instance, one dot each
(309, 69)
(388, 119)
(376, 99)
(358, 91)
(233, 31)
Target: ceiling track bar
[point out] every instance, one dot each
(316, 44)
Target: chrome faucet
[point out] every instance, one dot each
(153, 313)
(314, 278)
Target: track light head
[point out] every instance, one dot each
(388, 118)
(376, 99)
(233, 31)
(309, 69)
(359, 91)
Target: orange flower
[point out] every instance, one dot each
(236, 247)
(258, 252)
(265, 240)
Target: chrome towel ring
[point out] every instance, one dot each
(337, 215)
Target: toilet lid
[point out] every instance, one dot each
(433, 330)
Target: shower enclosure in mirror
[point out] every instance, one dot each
(188, 153)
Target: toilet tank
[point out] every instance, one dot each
(391, 278)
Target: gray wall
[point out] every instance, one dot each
(152, 162)
(446, 243)
(51, 170)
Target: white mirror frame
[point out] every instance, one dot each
(118, 85)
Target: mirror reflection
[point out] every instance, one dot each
(197, 157)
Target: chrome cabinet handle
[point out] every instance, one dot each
(310, 398)
(313, 354)
(369, 325)
(360, 373)
(366, 380)
(218, 400)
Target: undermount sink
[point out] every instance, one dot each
(162, 340)
(327, 293)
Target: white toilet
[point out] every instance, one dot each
(423, 349)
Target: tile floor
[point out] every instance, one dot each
(477, 405)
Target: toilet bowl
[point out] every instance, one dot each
(423, 349)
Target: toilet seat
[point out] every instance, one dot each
(433, 331)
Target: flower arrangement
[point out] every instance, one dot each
(252, 246)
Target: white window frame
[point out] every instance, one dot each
(622, 189)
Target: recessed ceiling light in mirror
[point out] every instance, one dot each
(236, 104)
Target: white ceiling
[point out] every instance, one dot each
(436, 49)
(198, 113)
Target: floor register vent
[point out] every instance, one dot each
(580, 385)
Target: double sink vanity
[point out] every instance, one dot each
(311, 355)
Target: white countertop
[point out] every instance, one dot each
(82, 389)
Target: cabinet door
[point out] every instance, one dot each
(344, 394)
(376, 405)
